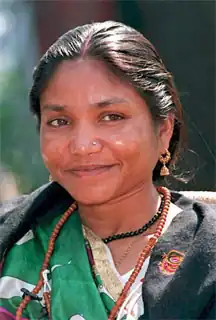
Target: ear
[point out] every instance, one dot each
(165, 132)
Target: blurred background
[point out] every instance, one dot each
(183, 33)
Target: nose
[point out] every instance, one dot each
(85, 141)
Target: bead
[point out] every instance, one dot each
(162, 214)
(152, 241)
(136, 232)
(157, 234)
(144, 254)
(144, 228)
(48, 255)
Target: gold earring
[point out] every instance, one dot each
(164, 158)
(50, 178)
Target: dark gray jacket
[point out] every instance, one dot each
(188, 293)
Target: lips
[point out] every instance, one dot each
(90, 170)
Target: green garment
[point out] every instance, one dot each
(76, 294)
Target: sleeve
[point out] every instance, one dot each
(7, 219)
(8, 206)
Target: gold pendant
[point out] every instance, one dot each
(164, 171)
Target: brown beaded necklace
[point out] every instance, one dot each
(143, 256)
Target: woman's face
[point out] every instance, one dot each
(97, 136)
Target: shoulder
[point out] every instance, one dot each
(18, 215)
(13, 220)
(202, 203)
(13, 206)
(199, 210)
(9, 205)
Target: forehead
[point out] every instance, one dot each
(86, 80)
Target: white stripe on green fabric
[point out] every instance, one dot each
(27, 237)
(11, 287)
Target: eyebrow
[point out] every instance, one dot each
(100, 104)
(53, 107)
(109, 102)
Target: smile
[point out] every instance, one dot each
(89, 171)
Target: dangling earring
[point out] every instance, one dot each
(164, 158)
(50, 178)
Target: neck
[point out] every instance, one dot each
(126, 213)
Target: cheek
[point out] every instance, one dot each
(135, 142)
(52, 150)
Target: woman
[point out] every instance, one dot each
(105, 239)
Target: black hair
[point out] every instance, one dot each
(129, 55)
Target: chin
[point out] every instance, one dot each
(92, 196)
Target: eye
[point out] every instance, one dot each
(113, 117)
(58, 123)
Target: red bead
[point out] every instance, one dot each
(144, 254)
(152, 241)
